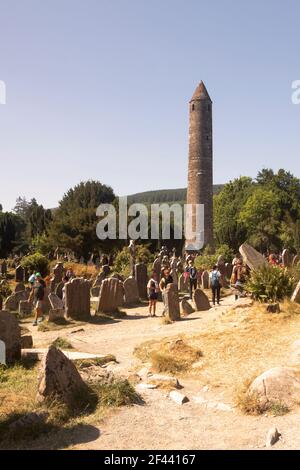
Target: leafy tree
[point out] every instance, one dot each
(36, 263)
(11, 229)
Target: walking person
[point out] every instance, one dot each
(152, 289)
(193, 276)
(38, 294)
(215, 282)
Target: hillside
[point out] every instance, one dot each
(164, 195)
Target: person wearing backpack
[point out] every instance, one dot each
(215, 282)
(38, 294)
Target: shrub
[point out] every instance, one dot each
(36, 262)
(271, 284)
(5, 290)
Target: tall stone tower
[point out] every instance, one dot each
(200, 169)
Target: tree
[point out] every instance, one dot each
(11, 229)
(260, 216)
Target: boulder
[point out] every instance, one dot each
(58, 377)
(10, 334)
(277, 385)
(201, 300)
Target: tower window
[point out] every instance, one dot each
(193, 107)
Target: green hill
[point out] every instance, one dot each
(163, 195)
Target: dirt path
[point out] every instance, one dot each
(160, 423)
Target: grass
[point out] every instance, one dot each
(249, 403)
(58, 324)
(97, 361)
(18, 387)
(173, 356)
(62, 343)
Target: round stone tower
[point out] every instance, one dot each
(200, 169)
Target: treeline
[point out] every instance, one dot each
(264, 211)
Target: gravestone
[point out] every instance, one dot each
(141, 278)
(131, 293)
(205, 280)
(229, 269)
(58, 377)
(201, 300)
(12, 302)
(287, 258)
(25, 308)
(172, 302)
(186, 307)
(2, 352)
(106, 269)
(296, 294)
(183, 283)
(55, 301)
(20, 274)
(296, 260)
(58, 272)
(20, 286)
(10, 334)
(252, 257)
(59, 290)
(77, 299)
(156, 267)
(95, 291)
(56, 314)
(111, 296)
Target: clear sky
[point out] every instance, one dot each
(99, 89)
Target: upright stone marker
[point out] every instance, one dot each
(252, 257)
(172, 302)
(131, 292)
(141, 278)
(205, 280)
(287, 258)
(77, 301)
(10, 334)
(201, 300)
(20, 274)
(111, 296)
(296, 294)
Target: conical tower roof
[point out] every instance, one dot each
(201, 93)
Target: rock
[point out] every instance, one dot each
(26, 342)
(186, 307)
(10, 334)
(201, 300)
(252, 257)
(205, 280)
(179, 398)
(77, 299)
(141, 387)
(164, 381)
(131, 292)
(141, 278)
(111, 296)
(58, 377)
(296, 294)
(172, 302)
(272, 437)
(28, 420)
(277, 385)
(223, 407)
(273, 308)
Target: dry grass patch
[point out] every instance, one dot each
(169, 355)
(62, 343)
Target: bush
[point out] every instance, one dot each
(271, 284)
(36, 262)
(122, 260)
(5, 290)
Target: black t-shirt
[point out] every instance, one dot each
(39, 291)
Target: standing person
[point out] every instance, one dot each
(215, 277)
(165, 280)
(38, 293)
(65, 280)
(238, 279)
(192, 271)
(152, 289)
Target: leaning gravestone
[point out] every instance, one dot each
(201, 300)
(20, 274)
(111, 296)
(131, 293)
(205, 280)
(57, 310)
(77, 299)
(186, 307)
(58, 377)
(172, 302)
(296, 260)
(141, 278)
(287, 258)
(252, 257)
(10, 334)
(296, 294)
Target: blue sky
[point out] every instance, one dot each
(99, 89)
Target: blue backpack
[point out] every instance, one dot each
(215, 279)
